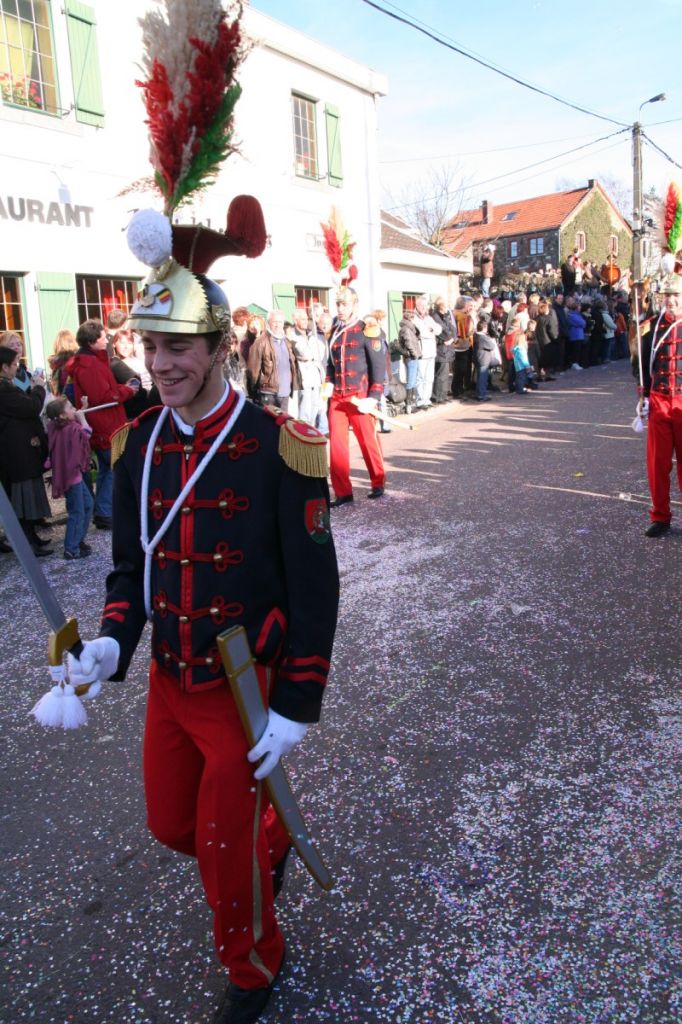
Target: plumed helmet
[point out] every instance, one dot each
(178, 297)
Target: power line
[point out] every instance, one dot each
(661, 151)
(652, 124)
(486, 64)
(481, 152)
(518, 170)
(529, 177)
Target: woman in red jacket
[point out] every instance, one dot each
(92, 378)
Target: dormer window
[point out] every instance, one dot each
(511, 215)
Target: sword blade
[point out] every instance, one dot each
(234, 650)
(22, 549)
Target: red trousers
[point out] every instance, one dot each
(344, 416)
(663, 438)
(203, 800)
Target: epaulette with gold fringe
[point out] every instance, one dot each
(303, 448)
(119, 439)
(118, 443)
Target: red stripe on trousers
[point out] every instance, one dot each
(344, 417)
(664, 436)
(202, 801)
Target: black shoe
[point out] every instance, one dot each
(344, 499)
(278, 874)
(37, 541)
(84, 549)
(71, 556)
(657, 529)
(102, 522)
(41, 552)
(376, 492)
(244, 1005)
(5, 549)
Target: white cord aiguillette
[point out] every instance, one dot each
(148, 545)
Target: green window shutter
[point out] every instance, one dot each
(334, 167)
(284, 298)
(87, 83)
(57, 304)
(395, 315)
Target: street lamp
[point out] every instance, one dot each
(637, 227)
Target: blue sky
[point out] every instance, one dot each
(444, 111)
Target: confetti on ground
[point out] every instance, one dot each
(495, 784)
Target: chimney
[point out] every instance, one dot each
(590, 182)
(486, 212)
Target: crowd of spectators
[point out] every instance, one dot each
(482, 344)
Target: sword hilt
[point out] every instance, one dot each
(64, 639)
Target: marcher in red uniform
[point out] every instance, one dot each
(357, 371)
(234, 507)
(661, 397)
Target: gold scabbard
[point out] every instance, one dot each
(240, 669)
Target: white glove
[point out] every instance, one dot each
(367, 405)
(643, 407)
(279, 737)
(98, 661)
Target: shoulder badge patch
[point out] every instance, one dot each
(317, 520)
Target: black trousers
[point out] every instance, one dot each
(441, 379)
(461, 375)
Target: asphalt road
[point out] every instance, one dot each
(495, 784)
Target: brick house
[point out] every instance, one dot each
(536, 235)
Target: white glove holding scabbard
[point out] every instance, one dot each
(367, 405)
(279, 737)
(98, 661)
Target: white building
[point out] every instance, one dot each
(73, 140)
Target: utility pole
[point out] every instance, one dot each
(637, 212)
(637, 215)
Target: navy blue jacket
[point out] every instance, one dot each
(357, 364)
(250, 546)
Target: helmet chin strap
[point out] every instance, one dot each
(209, 371)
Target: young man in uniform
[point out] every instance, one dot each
(233, 502)
(357, 370)
(661, 399)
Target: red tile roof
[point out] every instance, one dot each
(542, 213)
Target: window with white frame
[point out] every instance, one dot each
(11, 311)
(305, 297)
(304, 112)
(580, 241)
(28, 75)
(537, 246)
(97, 296)
(613, 245)
(513, 250)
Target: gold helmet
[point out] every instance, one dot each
(178, 297)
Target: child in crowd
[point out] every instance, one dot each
(510, 340)
(68, 436)
(522, 366)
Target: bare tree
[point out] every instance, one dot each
(430, 203)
